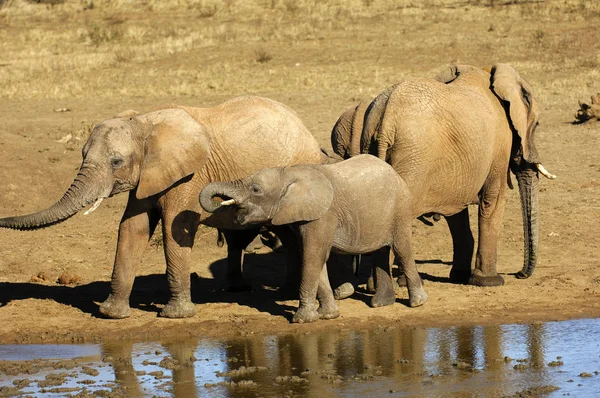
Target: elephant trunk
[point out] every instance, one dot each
(81, 193)
(528, 180)
(218, 194)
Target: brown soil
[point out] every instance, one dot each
(318, 70)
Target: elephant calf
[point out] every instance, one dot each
(357, 206)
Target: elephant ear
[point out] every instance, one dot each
(509, 86)
(306, 197)
(452, 72)
(448, 74)
(176, 147)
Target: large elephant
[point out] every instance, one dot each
(356, 206)
(164, 159)
(453, 140)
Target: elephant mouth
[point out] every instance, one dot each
(221, 200)
(121, 186)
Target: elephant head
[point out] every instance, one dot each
(148, 153)
(279, 195)
(522, 113)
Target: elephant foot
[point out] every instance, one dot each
(371, 285)
(343, 291)
(328, 311)
(401, 281)
(179, 308)
(478, 279)
(418, 298)
(305, 315)
(383, 297)
(460, 276)
(115, 309)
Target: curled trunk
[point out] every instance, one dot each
(528, 181)
(79, 195)
(216, 193)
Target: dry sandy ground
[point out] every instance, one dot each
(35, 169)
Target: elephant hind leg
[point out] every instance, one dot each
(491, 211)
(402, 247)
(463, 246)
(384, 288)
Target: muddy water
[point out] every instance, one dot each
(546, 359)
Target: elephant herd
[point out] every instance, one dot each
(421, 147)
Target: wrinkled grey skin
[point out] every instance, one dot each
(453, 140)
(164, 159)
(347, 131)
(357, 206)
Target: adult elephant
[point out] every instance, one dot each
(164, 159)
(453, 140)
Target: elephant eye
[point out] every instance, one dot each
(256, 189)
(116, 163)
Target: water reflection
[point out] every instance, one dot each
(457, 361)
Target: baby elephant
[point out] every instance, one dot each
(357, 206)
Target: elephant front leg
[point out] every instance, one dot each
(136, 228)
(328, 309)
(316, 244)
(463, 245)
(178, 240)
(491, 211)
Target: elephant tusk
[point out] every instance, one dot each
(94, 206)
(228, 202)
(545, 172)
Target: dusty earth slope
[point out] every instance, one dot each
(97, 58)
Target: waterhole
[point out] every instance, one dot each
(541, 359)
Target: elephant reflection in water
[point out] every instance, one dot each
(346, 354)
(120, 356)
(393, 352)
(184, 381)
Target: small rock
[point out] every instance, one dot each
(67, 278)
(90, 371)
(585, 374)
(64, 140)
(462, 365)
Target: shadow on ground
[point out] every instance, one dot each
(265, 272)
